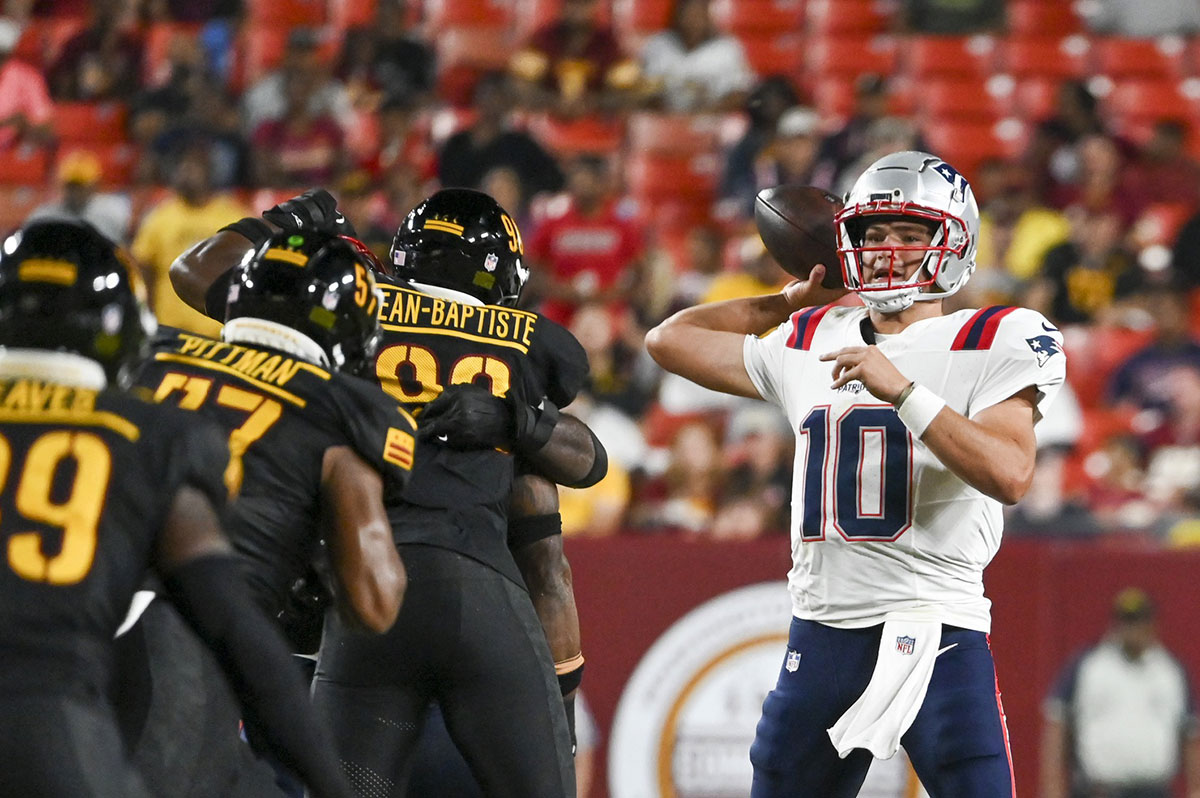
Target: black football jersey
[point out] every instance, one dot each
(459, 500)
(86, 480)
(280, 414)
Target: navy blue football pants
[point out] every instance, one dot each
(958, 743)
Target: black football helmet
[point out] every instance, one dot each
(462, 240)
(319, 284)
(66, 287)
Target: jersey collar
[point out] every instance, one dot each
(446, 293)
(262, 332)
(61, 367)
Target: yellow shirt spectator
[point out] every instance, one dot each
(737, 285)
(168, 229)
(599, 510)
(1036, 231)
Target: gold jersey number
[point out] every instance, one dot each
(262, 413)
(78, 515)
(409, 373)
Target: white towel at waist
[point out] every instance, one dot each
(885, 710)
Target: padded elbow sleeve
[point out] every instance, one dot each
(599, 465)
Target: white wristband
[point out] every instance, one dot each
(919, 408)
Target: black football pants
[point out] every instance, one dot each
(57, 746)
(178, 715)
(468, 638)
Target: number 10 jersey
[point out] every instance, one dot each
(879, 524)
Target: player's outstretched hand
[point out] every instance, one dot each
(315, 209)
(869, 366)
(810, 292)
(467, 416)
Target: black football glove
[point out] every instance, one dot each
(467, 416)
(315, 209)
(303, 615)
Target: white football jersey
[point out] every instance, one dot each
(879, 525)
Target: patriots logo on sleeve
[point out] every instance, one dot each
(1045, 347)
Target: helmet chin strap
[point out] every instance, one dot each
(898, 299)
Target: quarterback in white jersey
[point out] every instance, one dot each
(872, 495)
(913, 428)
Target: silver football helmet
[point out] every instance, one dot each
(914, 186)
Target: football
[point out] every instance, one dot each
(796, 225)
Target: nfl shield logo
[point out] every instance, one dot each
(793, 661)
(906, 644)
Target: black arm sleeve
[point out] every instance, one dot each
(211, 595)
(572, 455)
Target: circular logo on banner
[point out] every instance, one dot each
(685, 721)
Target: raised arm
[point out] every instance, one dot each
(203, 263)
(371, 578)
(198, 271)
(704, 343)
(206, 583)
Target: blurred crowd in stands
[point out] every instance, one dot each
(630, 138)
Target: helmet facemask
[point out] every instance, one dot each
(949, 239)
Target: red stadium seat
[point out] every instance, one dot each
(464, 55)
(1041, 18)
(42, 39)
(532, 15)
(100, 123)
(1149, 58)
(653, 177)
(1094, 353)
(483, 48)
(569, 137)
(774, 54)
(345, 14)
(972, 56)
(641, 16)
(442, 15)
(1052, 56)
(285, 13)
(1035, 99)
(673, 134)
(773, 16)
(827, 55)
(967, 144)
(256, 52)
(960, 98)
(833, 96)
(25, 166)
(159, 39)
(847, 16)
(1160, 223)
(16, 203)
(1149, 101)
